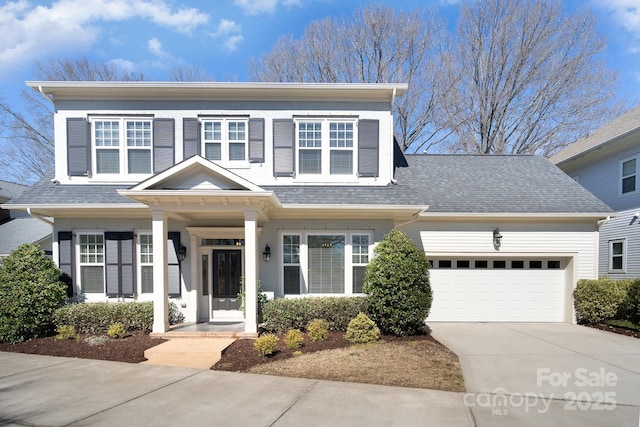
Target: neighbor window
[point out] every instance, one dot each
(91, 252)
(145, 253)
(122, 146)
(616, 255)
(628, 176)
(225, 139)
(326, 146)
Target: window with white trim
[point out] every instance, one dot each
(617, 256)
(145, 262)
(360, 259)
(122, 146)
(291, 263)
(91, 262)
(325, 146)
(225, 140)
(628, 176)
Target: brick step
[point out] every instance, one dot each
(188, 352)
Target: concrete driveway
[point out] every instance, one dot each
(531, 374)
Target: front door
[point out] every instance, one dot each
(227, 276)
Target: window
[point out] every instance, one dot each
(535, 264)
(616, 255)
(462, 263)
(291, 263)
(225, 140)
(360, 259)
(517, 264)
(326, 147)
(628, 176)
(145, 261)
(499, 264)
(481, 263)
(110, 154)
(326, 263)
(553, 265)
(91, 249)
(444, 263)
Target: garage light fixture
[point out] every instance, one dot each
(497, 239)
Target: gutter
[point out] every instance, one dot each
(416, 217)
(39, 217)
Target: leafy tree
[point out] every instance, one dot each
(528, 77)
(30, 291)
(397, 284)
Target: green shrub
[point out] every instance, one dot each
(95, 318)
(116, 330)
(631, 305)
(397, 284)
(266, 344)
(294, 339)
(66, 332)
(598, 300)
(362, 330)
(317, 330)
(30, 291)
(283, 314)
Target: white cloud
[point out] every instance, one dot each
(32, 32)
(123, 65)
(254, 7)
(155, 46)
(230, 34)
(627, 14)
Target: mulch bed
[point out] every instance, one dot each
(242, 356)
(616, 329)
(129, 349)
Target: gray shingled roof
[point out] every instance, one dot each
(447, 183)
(21, 230)
(9, 190)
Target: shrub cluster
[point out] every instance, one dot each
(283, 314)
(317, 330)
(294, 339)
(96, 317)
(30, 291)
(66, 332)
(362, 330)
(266, 344)
(631, 306)
(116, 330)
(598, 300)
(397, 284)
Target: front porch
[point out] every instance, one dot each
(207, 330)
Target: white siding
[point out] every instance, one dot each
(623, 226)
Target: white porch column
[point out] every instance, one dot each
(160, 272)
(250, 271)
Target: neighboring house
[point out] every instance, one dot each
(607, 163)
(293, 185)
(18, 227)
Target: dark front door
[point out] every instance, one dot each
(227, 274)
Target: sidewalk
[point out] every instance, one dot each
(54, 391)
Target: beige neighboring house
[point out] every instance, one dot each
(18, 227)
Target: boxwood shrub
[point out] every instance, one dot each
(598, 300)
(631, 305)
(96, 317)
(283, 314)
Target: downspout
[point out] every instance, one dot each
(49, 97)
(416, 217)
(39, 217)
(393, 105)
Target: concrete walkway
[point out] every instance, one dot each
(532, 374)
(54, 391)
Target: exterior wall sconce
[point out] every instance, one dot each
(182, 253)
(266, 255)
(497, 239)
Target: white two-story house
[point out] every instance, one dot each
(607, 163)
(198, 191)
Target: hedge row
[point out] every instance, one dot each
(599, 300)
(283, 314)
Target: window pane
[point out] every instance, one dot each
(212, 131)
(107, 161)
(310, 161)
(360, 249)
(358, 278)
(341, 134)
(236, 151)
(107, 134)
(617, 248)
(292, 279)
(213, 151)
(481, 264)
(146, 277)
(629, 184)
(326, 264)
(499, 264)
(341, 162)
(237, 131)
(309, 135)
(139, 161)
(92, 279)
(629, 167)
(616, 263)
(139, 134)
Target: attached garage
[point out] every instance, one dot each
(499, 290)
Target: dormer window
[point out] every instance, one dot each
(122, 146)
(225, 140)
(325, 146)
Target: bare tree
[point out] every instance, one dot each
(27, 153)
(378, 45)
(528, 78)
(190, 73)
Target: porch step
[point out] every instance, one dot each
(201, 353)
(204, 334)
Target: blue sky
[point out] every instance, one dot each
(152, 36)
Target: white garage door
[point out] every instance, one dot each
(498, 290)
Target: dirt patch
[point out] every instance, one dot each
(616, 329)
(129, 349)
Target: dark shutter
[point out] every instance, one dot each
(368, 147)
(119, 257)
(173, 246)
(78, 147)
(65, 253)
(256, 140)
(163, 144)
(190, 137)
(283, 147)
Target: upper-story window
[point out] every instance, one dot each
(628, 176)
(225, 139)
(122, 146)
(326, 146)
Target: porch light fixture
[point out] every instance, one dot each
(266, 255)
(497, 239)
(182, 253)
